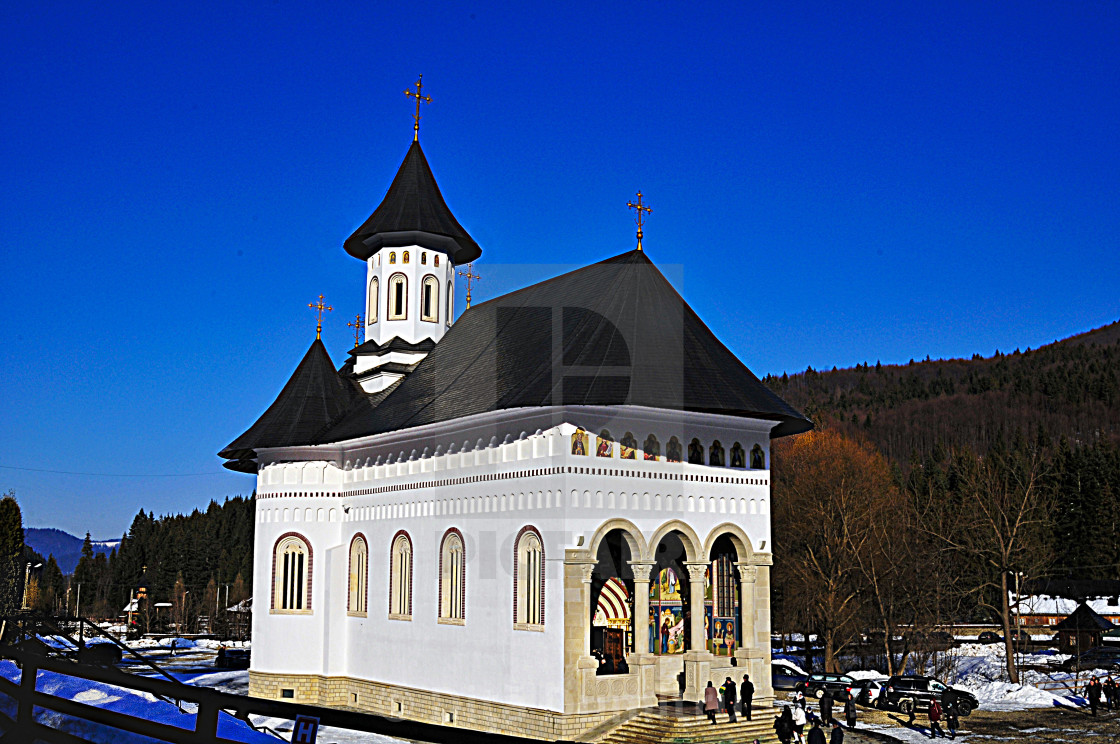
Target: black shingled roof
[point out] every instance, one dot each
(1084, 618)
(413, 212)
(625, 338)
(313, 397)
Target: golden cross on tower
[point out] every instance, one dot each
(419, 98)
(641, 208)
(357, 326)
(320, 307)
(471, 276)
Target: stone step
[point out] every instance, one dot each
(651, 728)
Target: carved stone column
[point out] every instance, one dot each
(697, 660)
(578, 661)
(764, 690)
(641, 571)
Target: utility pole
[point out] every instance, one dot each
(78, 612)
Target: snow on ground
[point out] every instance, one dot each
(120, 700)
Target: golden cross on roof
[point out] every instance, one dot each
(641, 208)
(470, 275)
(419, 98)
(357, 326)
(320, 307)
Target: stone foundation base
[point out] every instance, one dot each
(424, 706)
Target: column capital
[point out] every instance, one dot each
(748, 572)
(696, 570)
(641, 570)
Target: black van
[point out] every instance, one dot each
(912, 693)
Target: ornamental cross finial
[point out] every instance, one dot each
(320, 307)
(416, 117)
(357, 326)
(641, 208)
(471, 276)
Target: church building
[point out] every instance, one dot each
(529, 519)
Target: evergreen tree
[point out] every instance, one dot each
(11, 554)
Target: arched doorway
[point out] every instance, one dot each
(723, 626)
(612, 603)
(670, 616)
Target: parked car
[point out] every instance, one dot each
(940, 640)
(836, 686)
(1101, 657)
(232, 658)
(100, 652)
(784, 676)
(989, 636)
(868, 691)
(910, 693)
(1020, 637)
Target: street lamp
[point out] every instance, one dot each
(27, 581)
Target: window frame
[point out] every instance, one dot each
(397, 575)
(282, 542)
(430, 280)
(446, 608)
(395, 279)
(373, 300)
(361, 592)
(522, 579)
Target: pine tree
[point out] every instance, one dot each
(11, 554)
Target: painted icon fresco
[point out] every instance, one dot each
(738, 456)
(604, 446)
(666, 614)
(715, 454)
(651, 450)
(627, 446)
(696, 452)
(673, 450)
(758, 459)
(579, 442)
(721, 607)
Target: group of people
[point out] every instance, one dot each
(790, 725)
(1107, 692)
(936, 712)
(724, 698)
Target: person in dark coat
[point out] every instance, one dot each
(711, 702)
(816, 735)
(1109, 689)
(729, 699)
(837, 734)
(746, 696)
(850, 711)
(1093, 693)
(935, 719)
(783, 726)
(826, 709)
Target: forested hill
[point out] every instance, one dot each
(1070, 388)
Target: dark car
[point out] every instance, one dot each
(989, 636)
(232, 658)
(1020, 637)
(912, 693)
(103, 653)
(940, 640)
(784, 676)
(836, 686)
(1100, 657)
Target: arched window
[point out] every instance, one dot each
(695, 452)
(392, 257)
(356, 600)
(452, 578)
(758, 459)
(406, 257)
(423, 258)
(738, 456)
(291, 574)
(374, 289)
(651, 448)
(398, 297)
(715, 454)
(528, 580)
(450, 301)
(400, 578)
(429, 300)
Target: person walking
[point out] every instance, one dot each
(711, 702)
(729, 699)
(783, 726)
(746, 696)
(850, 711)
(826, 708)
(1109, 689)
(951, 721)
(1093, 694)
(816, 735)
(935, 719)
(837, 734)
(799, 719)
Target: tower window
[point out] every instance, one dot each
(450, 302)
(374, 290)
(429, 309)
(398, 297)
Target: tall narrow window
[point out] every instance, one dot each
(528, 592)
(450, 301)
(400, 578)
(359, 573)
(291, 569)
(374, 290)
(452, 575)
(429, 299)
(398, 297)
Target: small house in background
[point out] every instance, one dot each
(1082, 630)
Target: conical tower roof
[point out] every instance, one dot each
(413, 212)
(315, 396)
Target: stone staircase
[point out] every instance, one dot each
(658, 727)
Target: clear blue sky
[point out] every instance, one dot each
(831, 183)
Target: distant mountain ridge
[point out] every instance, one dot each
(1068, 388)
(65, 548)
